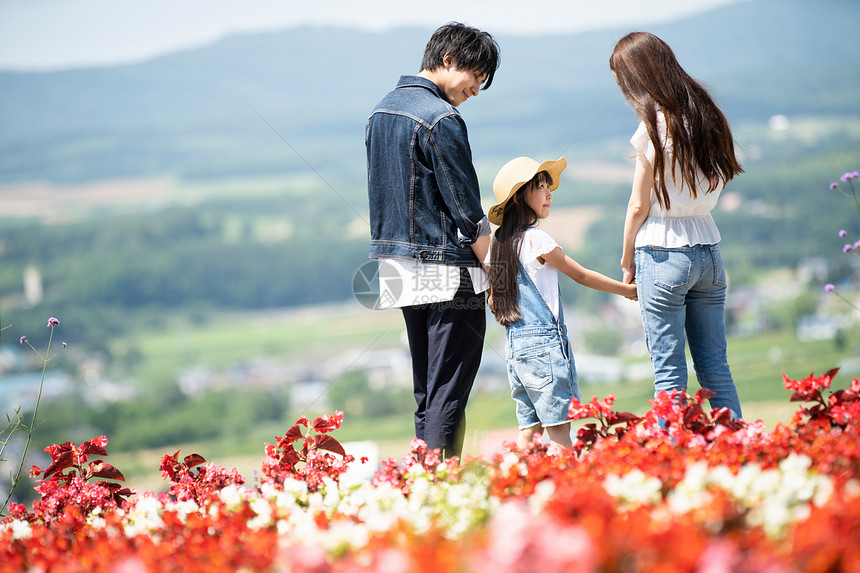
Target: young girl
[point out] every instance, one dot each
(523, 272)
(685, 155)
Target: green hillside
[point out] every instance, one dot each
(197, 114)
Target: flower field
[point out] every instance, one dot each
(704, 494)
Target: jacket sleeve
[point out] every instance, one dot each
(451, 157)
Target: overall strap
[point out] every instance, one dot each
(533, 308)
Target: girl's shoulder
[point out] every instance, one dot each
(536, 242)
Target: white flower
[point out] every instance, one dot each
(144, 517)
(511, 460)
(20, 529)
(263, 510)
(297, 487)
(544, 490)
(344, 535)
(635, 488)
(231, 496)
(184, 508)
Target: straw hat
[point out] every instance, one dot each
(516, 173)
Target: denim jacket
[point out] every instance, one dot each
(422, 187)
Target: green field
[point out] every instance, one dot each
(757, 362)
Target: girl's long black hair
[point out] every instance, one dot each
(505, 251)
(651, 78)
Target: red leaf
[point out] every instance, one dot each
(293, 434)
(831, 373)
(693, 413)
(168, 461)
(721, 415)
(621, 417)
(89, 448)
(290, 457)
(103, 469)
(192, 460)
(61, 462)
(113, 486)
(843, 396)
(705, 394)
(64, 447)
(326, 442)
(323, 425)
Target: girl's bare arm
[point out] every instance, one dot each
(587, 277)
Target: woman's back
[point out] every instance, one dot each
(686, 218)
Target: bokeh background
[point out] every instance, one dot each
(183, 186)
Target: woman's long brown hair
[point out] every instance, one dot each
(505, 251)
(651, 78)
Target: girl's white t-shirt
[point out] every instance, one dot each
(536, 243)
(688, 220)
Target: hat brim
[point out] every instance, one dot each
(523, 174)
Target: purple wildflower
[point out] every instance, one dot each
(848, 248)
(828, 288)
(52, 322)
(849, 175)
(843, 233)
(64, 345)
(23, 339)
(834, 185)
(857, 245)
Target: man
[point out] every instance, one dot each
(427, 225)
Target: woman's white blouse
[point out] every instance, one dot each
(688, 221)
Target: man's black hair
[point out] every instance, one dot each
(471, 48)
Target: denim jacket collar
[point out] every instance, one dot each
(419, 82)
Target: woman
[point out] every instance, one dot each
(684, 157)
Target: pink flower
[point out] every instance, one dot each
(52, 322)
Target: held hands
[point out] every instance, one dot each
(629, 274)
(629, 278)
(630, 292)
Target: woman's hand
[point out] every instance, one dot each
(628, 274)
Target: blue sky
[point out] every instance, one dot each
(61, 34)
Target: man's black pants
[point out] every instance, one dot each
(446, 340)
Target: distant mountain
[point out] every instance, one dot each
(204, 112)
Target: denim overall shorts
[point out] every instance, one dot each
(539, 360)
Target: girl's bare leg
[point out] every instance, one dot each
(526, 435)
(560, 435)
